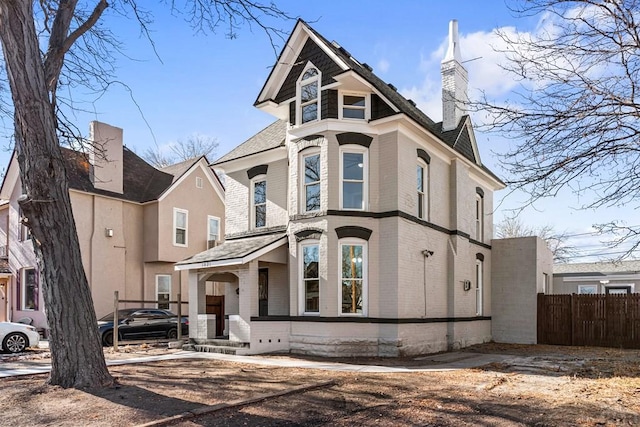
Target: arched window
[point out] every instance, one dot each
(353, 277)
(309, 95)
(479, 215)
(309, 273)
(310, 182)
(479, 283)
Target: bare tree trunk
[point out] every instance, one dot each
(77, 357)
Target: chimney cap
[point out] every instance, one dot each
(453, 50)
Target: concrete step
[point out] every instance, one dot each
(220, 346)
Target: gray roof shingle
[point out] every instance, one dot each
(597, 268)
(273, 136)
(234, 249)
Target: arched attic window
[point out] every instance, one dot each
(309, 94)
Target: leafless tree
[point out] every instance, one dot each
(556, 241)
(78, 51)
(574, 120)
(195, 145)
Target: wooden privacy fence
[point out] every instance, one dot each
(592, 320)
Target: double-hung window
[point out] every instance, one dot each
(310, 291)
(479, 217)
(353, 277)
(422, 188)
(479, 286)
(163, 290)
(180, 224)
(213, 231)
(29, 295)
(353, 177)
(354, 106)
(259, 199)
(311, 183)
(309, 95)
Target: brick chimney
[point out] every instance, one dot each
(454, 82)
(106, 156)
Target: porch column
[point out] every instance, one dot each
(248, 299)
(197, 304)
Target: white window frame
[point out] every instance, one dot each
(609, 286)
(351, 241)
(199, 182)
(209, 219)
(176, 211)
(302, 300)
(299, 105)
(352, 148)
(479, 287)
(545, 283)
(158, 276)
(23, 287)
(303, 183)
(586, 289)
(424, 192)
(479, 221)
(366, 108)
(254, 181)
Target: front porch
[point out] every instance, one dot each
(233, 283)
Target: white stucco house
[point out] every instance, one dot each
(355, 224)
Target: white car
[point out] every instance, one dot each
(15, 337)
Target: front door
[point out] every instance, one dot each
(263, 292)
(4, 292)
(215, 305)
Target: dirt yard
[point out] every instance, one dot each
(538, 386)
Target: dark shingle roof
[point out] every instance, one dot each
(179, 169)
(234, 249)
(273, 136)
(141, 181)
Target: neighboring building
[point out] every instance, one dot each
(355, 225)
(621, 277)
(133, 222)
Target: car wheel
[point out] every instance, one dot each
(14, 342)
(107, 339)
(172, 334)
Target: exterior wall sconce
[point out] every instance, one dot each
(108, 232)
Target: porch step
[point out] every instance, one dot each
(220, 346)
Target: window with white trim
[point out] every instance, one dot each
(353, 277)
(588, 289)
(309, 95)
(180, 224)
(422, 185)
(24, 232)
(29, 294)
(163, 290)
(353, 178)
(353, 106)
(259, 202)
(479, 286)
(213, 228)
(198, 182)
(479, 217)
(311, 181)
(310, 277)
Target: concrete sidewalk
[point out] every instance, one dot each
(436, 362)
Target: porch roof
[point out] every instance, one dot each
(234, 252)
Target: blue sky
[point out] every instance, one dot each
(207, 84)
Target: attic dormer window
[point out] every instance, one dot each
(308, 95)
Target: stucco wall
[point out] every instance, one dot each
(517, 275)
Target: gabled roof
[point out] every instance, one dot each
(179, 169)
(234, 252)
(141, 181)
(273, 136)
(460, 139)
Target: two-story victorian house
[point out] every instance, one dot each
(355, 225)
(133, 222)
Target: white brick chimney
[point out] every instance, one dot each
(454, 82)
(105, 156)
